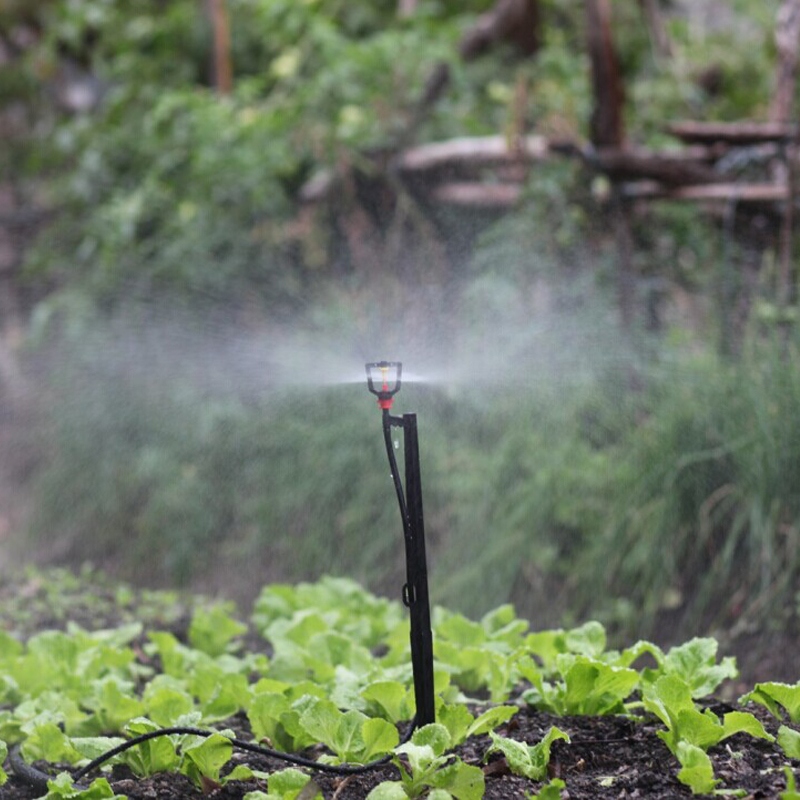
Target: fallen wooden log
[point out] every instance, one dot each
(472, 151)
(733, 133)
(672, 169)
(724, 192)
(478, 195)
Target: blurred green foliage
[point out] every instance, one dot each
(166, 187)
(634, 490)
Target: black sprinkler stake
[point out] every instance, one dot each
(415, 591)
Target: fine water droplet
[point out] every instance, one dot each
(396, 444)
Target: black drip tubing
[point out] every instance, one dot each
(37, 778)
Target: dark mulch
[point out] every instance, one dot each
(608, 757)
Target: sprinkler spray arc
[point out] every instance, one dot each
(415, 591)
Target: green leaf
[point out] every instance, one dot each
(529, 762)
(670, 699)
(667, 698)
(388, 790)
(203, 760)
(164, 704)
(744, 722)
(113, 704)
(790, 793)
(697, 728)
(341, 732)
(550, 792)
(587, 640)
(488, 720)
(461, 780)
(151, 756)
(288, 783)
(696, 770)
(632, 653)
(695, 663)
(395, 701)
(212, 629)
(60, 788)
(548, 645)
(379, 737)
(320, 719)
(241, 772)
(265, 716)
(348, 743)
(435, 736)
(420, 757)
(789, 740)
(457, 719)
(93, 746)
(773, 695)
(593, 688)
(461, 631)
(49, 743)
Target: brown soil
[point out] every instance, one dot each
(608, 757)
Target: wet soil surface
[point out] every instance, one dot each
(608, 757)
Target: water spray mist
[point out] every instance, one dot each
(383, 380)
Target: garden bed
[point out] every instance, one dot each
(609, 755)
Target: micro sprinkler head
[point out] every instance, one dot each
(383, 380)
(386, 375)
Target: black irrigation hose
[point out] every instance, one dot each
(38, 779)
(398, 487)
(25, 772)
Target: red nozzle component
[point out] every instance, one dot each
(388, 373)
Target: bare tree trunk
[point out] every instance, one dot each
(607, 126)
(608, 131)
(223, 69)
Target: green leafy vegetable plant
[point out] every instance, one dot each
(670, 699)
(790, 793)
(789, 740)
(524, 759)
(212, 629)
(773, 696)
(696, 769)
(287, 784)
(552, 791)
(461, 724)
(430, 768)
(61, 788)
(151, 756)
(203, 760)
(587, 686)
(695, 663)
(351, 735)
